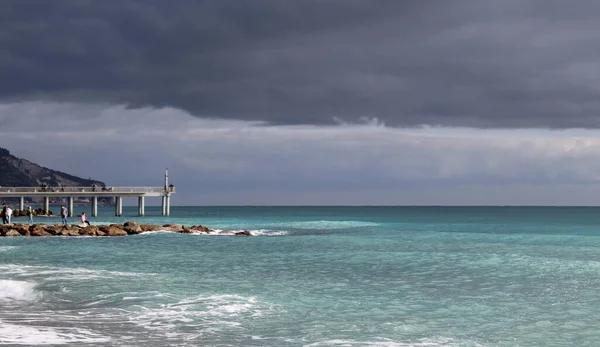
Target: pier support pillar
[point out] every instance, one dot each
(46, 205)
(118, 206)
(22, 203)
(164, 205)
(71, 199)
(94, 206)
(141, 206)
(168, 209)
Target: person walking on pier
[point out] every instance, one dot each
(30, 214)
(63, 214)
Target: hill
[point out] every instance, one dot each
(17, 172)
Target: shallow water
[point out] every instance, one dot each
(313, 276)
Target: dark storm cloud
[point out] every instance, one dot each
(526, 63)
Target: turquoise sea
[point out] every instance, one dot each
(313, 276)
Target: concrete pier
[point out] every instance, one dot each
(168, 210)
(118, 206)
(71, 200)
(94, 206)
(141, 206)
(58, 195)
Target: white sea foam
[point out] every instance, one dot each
(17, 290)
(222, 232)
(323, 224)
(29, 335)
(383, 342)
(7, 248)
(258, 232)
(210, 313)
(265, 232)
(153, 232)
(62, 273)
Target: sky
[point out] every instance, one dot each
(310, 102)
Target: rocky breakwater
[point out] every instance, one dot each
(128, 228)
(36, 212)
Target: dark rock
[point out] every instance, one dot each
(172, 227)
(201, 228)
(38, 230)
(132, 228)
(23, 229)
(113, 230)
(131, 224)
(150, 227)
(69, 232)
(243, 233)
(90, 230)
(54, 229)
(4, 228)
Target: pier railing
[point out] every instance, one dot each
(87, 190)
(93, 192)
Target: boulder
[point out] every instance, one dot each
(243, 233)
(132, 228)
(12, 232)
(90, 230)
(38, 230)
(4, 228)
(23, 229)
(201, 228)
(54, 229)
(172, 227)
(116, 232)
(131, 224)
(112, 230)
(69, 232)
(150, 227)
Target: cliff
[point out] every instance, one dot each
(17, 172)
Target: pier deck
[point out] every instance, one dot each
(70, 193)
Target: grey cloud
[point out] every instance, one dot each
(232, 162)
(509, 64)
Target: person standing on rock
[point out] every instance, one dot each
(8, 214)
(63, 214)
(84, 220)
(30, 214)
(4, 214)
